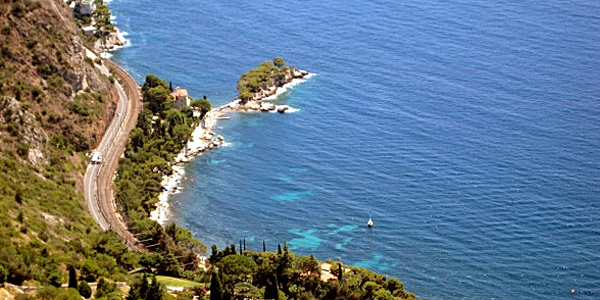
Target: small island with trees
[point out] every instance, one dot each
(263, 82)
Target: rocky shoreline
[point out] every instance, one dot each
(113, 41)
(269, 91)
(204, 137)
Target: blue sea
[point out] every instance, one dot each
(468, 130)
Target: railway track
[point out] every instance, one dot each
(98, 183)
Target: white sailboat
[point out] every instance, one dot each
(370, 223)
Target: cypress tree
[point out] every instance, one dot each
(72, 277)
(214, 255)
(244, 244)
(271, 290)
(144, 287)
(19, 197)
(241, 249)
(154, 292)
(279, 249)
(171, 86)
(340, 272)
(216, 291)
(264, 246)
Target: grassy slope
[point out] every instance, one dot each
(177, 282)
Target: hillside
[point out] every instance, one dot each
(54, 107)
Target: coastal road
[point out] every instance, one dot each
(98, 182)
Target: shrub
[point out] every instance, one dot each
(79, 108)
(5, 30)
(89, 60)
(105, 288)
(56, 82)
(17, 10)
(43, 236)
(84, 290)
(13, 129)
(3, 274)
(23, 149)
(89, 270)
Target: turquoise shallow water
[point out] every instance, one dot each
(469, 131)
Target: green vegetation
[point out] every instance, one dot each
(265, 75)
(46, 234)
(268, 275)
(178, 282)
(161, 133)
(141, 289)
(202, 104)
(45, 228)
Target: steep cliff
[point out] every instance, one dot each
(48, 86)
(54, 107)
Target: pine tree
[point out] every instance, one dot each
(216, 291)
(72, 277)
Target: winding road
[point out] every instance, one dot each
(98, 182)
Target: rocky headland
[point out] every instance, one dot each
(274, 81)
(264, 83)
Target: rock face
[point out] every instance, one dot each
(109, 43)
(51, 96)
(34, 137)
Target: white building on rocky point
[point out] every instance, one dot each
(85, 7)
(181, 98)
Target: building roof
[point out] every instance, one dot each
(179, 92)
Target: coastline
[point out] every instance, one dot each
(114, 41)
(204, 138)
(262, 100)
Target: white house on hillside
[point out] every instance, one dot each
(85, 7)
(181, 98)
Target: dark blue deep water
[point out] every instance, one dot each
(469, 130)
